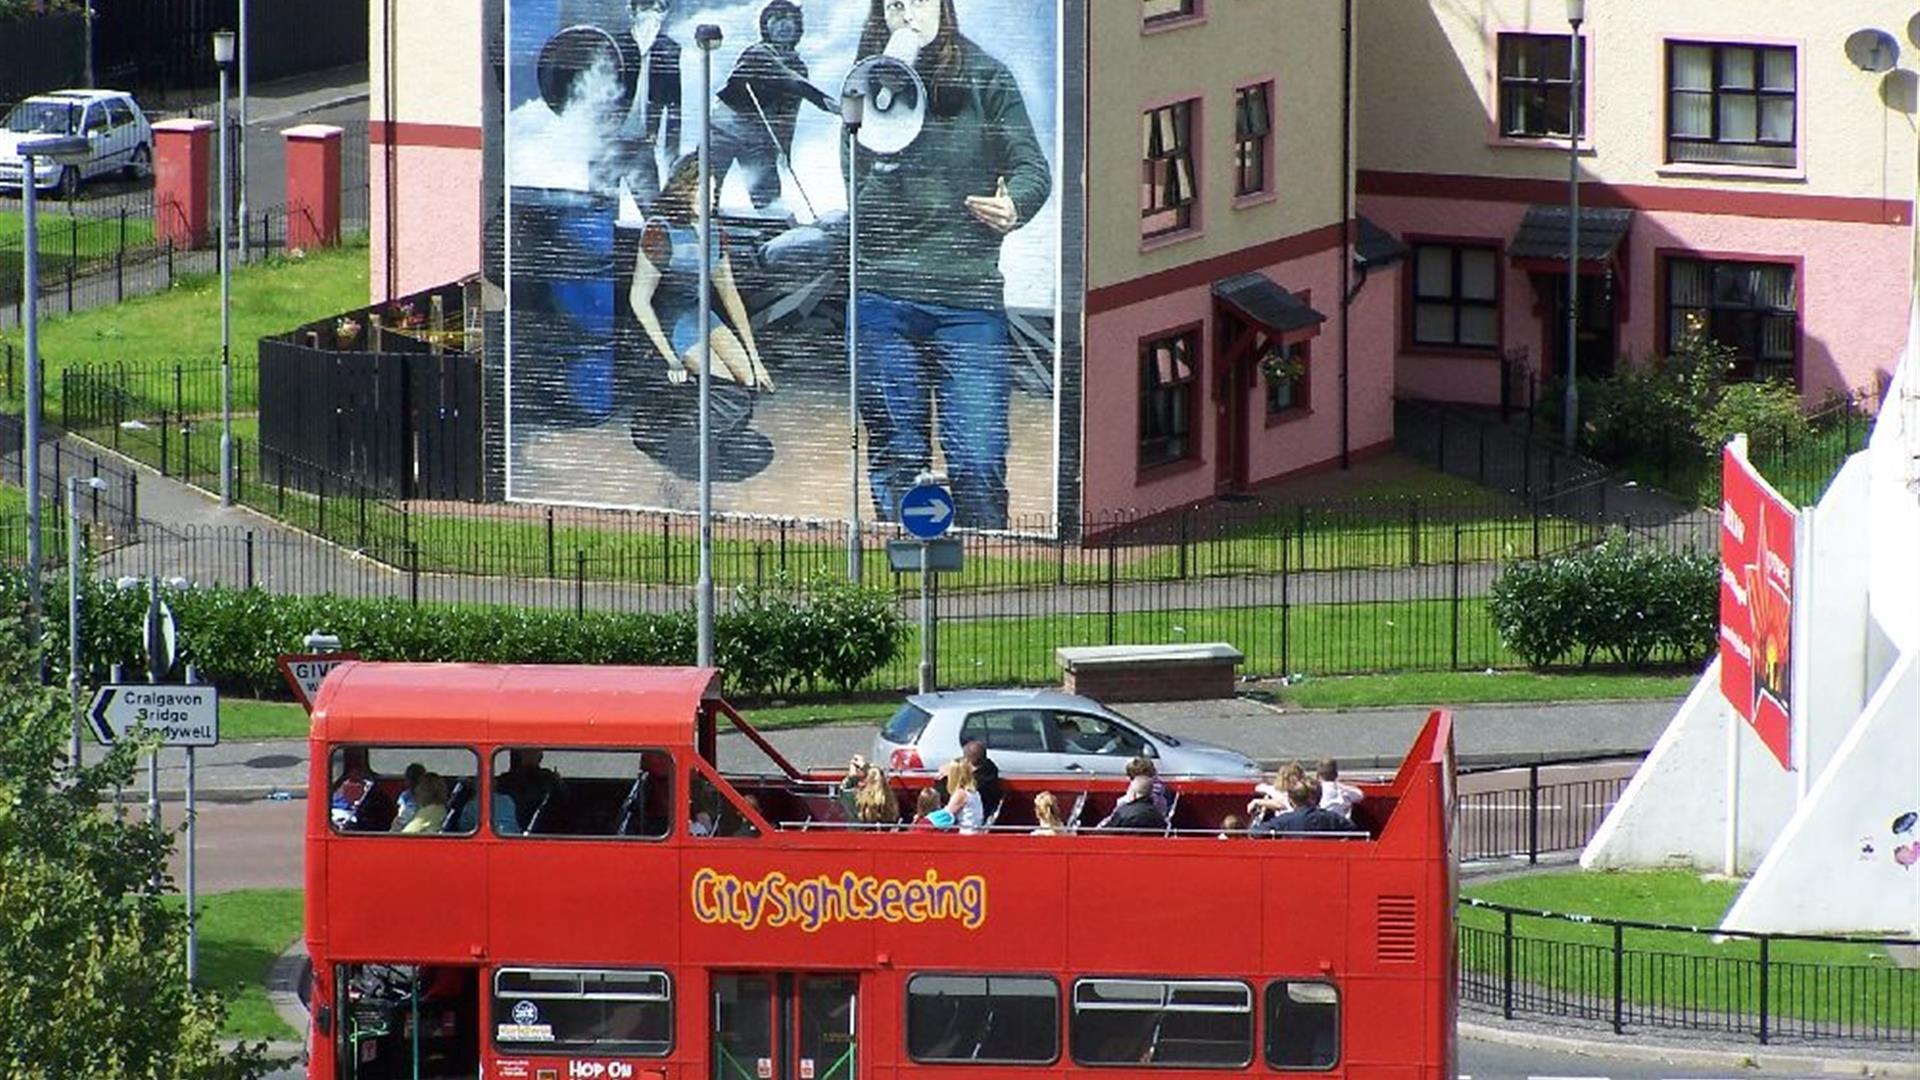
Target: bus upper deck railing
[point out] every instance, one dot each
(1077, 831)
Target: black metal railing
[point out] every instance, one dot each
(1546, 807)
(1630, 976)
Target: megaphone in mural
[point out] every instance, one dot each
(896, 103)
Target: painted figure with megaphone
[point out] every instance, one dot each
(947, 166)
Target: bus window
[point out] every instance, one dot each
(1162, 1022)
(575, 793)
(599, 1011)
(711, 813)
(983, 1018)
(410, 790)
(1303, 1025)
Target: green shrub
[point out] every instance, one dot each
(1768, 413)
(774, 641)
(1622, 602)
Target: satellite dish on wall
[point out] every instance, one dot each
(896, 103)
(1873, 50)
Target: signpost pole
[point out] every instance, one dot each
(928, 647)
(153, 677)
(193, 920)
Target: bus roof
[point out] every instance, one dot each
(550, 704)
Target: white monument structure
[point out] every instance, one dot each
(1832, 839)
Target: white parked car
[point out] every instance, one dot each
(1041, 732)
(120, 139)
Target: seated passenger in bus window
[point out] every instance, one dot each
(702, 824)
(850, 783)
(358, 804)
(532, 787)
(430, 801)
(986, 775)
(1334, 795)
(963, 797)
(406, 805)
(1231, 826)
(1271, 798)
(744, 826)
(1046, 811)
(1162, 795)
(1135, 809)
(505, 814)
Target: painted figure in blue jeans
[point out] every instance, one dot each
(933, 324)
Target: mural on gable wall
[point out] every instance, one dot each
(960, 249)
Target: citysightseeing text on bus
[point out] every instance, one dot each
(776, 901)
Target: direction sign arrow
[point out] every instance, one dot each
(305, 672)
(182, 715)
(927, 511)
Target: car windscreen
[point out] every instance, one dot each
(907, 724)
(43, 118)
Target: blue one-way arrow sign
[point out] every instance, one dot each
(927, 511)
(183, 715)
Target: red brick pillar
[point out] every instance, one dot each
(182, 169)
(313, 186)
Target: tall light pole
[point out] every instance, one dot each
(1576, 14)
(707, 36)
(223, 52)
(246, 249)
(853, 112)
(61, 149)
(74, 554)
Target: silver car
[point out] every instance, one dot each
(1040, 732)
(119, 139)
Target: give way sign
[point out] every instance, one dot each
(305, 672)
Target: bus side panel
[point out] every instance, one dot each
(407, 899)
(585, 902)
(1135, 913)
(1399, 963)
(1304, 906)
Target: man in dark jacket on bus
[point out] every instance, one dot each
(1136, 810)
(986, 776)
(1306, 815)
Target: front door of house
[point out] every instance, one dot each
(1231, 380)
(785, 1026)
(1597, 331)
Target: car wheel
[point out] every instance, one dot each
(140, 165)
(70, 183)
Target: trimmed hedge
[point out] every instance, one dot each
(1627, 603)
(772, 641)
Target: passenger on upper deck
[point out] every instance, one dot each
(358, 804)
(850, 784)
(505, 813)
(1334, 795)
(1162, 795)
(1136, 809)
(1046, 811)
(928, 814)
(963, 797)
(530, 785)
(986, 775)
(1272, 798)
(406, 804)
(874, 803)
(1307, 817)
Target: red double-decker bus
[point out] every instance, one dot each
(607, 873)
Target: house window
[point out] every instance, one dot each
(1749, 306)
(1252, 128)
(1456, 296)
(1732, 105)
(1537, 95)
(1283, 368)
(1167, 398)
(1159, 11)
(1166, 181)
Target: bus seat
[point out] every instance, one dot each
(634, 807)
(533, 820)
(1073, 816)
(1173, 807)
(457, 801)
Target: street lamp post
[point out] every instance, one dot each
(240, 148)
(853, 112)
(61, 149)
(223, 53)
(707, 36)
(74, 554)
(1576, 14)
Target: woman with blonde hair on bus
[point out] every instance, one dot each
(874, 802)
(1046, 811)
(963, 796)
(1272, 798)
(430, 795)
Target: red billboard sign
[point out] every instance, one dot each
(1756, 603)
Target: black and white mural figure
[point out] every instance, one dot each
(960, 252)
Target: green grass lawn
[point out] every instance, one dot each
(79, 237)
(183, 324)
(1443, 688)
(241, 933)
(1706, 975)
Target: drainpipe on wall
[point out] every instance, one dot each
(389, 149)
(1346, 224)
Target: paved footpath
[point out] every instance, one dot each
(1362, 739)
